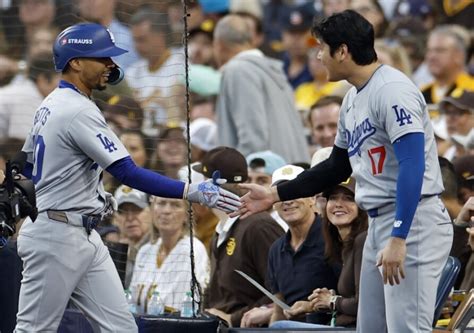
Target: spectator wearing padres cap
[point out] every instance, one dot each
(464, 168)
(134, 220)
(458, 111)
(241, 244)
(124, 112)
(200, 44)
(296, 264)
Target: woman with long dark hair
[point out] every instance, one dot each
(344, 231)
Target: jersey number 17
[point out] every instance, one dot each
(377, 158)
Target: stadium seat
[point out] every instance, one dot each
(446, 283)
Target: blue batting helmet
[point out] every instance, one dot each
(84, 40)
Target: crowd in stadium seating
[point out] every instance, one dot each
(256, 86)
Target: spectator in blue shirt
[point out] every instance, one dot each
(296, 261)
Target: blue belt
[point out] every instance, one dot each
(90, 222)
(374, 212)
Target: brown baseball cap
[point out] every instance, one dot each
(461, 99)
(464, 167)
(126, 106)
(171, 133)
(229, 162)
(349, 184)
(206, 28)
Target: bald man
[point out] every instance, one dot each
(255, 105)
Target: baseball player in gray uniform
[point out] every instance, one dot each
(386, 141)
(68, 147)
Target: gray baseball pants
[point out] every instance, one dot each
(409, 306)
(61, 263)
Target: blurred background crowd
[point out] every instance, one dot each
(256, 85)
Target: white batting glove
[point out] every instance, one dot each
(110, 206)
(210, 194)
(110, 199)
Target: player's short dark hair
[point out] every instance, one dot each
(41, 65)
(351, 29)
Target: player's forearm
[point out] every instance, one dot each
(409, 151)
(146, 180)
(330, 172)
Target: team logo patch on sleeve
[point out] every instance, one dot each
(107, 143)
(403, 117)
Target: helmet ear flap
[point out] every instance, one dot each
(116, 75)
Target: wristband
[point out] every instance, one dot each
(332, 302)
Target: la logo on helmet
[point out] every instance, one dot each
(111, 36)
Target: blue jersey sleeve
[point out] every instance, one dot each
(409, 151)
(145, 180)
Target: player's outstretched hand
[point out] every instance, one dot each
(210, 194)
(392, 259)
(257, 199)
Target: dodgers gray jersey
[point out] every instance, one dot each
(69, 145)
(371, 120)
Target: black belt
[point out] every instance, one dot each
(89, 222)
